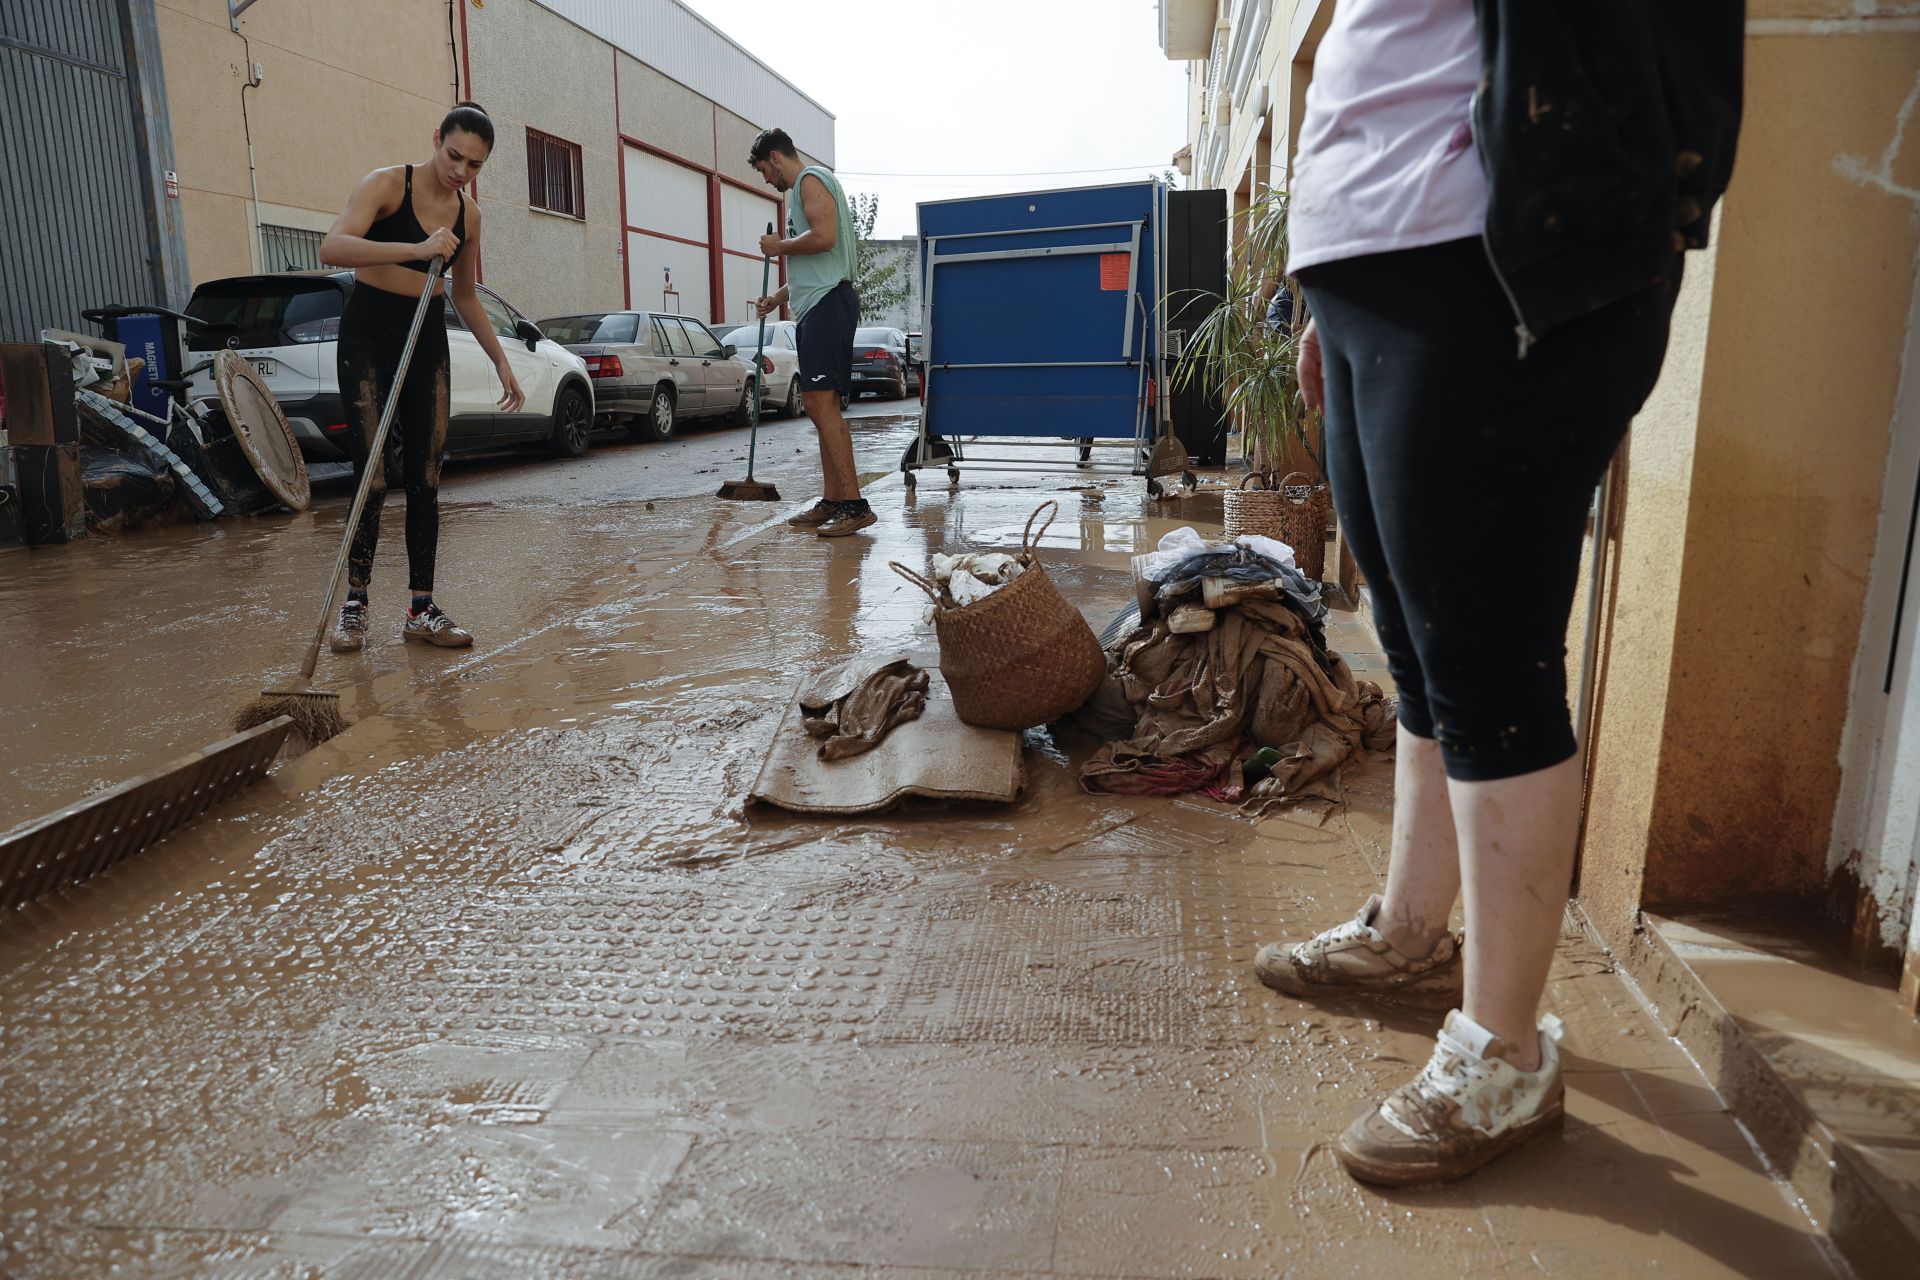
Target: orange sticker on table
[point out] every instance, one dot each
(1114, 271)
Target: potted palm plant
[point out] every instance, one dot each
(1254, 370)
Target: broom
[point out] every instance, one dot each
(315, 712)
(751, 490)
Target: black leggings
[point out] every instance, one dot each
(373, 331)
(1463, 474)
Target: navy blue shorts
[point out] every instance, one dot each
(825, 338)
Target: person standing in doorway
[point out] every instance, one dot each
(821, 252)
(382, 235)
(1489, 209)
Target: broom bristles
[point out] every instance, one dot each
(316, 716)
(749, 491)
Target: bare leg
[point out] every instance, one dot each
(1423, 870)
(841, 481)
(1516, 842)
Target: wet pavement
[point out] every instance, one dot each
(505, 982)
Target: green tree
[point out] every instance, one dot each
(880, 273)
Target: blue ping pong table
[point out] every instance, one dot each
(1042, 334)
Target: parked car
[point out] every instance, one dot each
(916, 360)
(780, 370)
(288, 325)
(653, 370)
(880, 362)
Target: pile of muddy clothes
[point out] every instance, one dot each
(1227, 686)
(850, 709)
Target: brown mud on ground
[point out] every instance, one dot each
(502, 982)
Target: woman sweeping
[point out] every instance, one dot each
(382, 235)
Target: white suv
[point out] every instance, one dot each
(288, 325)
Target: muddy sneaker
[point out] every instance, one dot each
(1467, 1106)
(814, 516)
(848, 517)
(1355, 959)
(434, 627)
(349, 635)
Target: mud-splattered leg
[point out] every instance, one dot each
(360, 379)
(425, 405)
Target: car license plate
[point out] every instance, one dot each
(266, 367)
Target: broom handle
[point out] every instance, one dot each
(376, 457)
(759, 354)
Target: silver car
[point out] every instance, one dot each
(781, 363)
(653, 370)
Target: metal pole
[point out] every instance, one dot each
(234, 9)
(759, 354)
(1590, 648)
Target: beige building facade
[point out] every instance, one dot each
(274, 123)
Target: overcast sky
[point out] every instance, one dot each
(929, 95)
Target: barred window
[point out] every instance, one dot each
(553, 175)
(289, 248)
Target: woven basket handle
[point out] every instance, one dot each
(933, 592)
(1029, 539)
(1252, 477)
(1281, 488)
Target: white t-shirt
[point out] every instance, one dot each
(1386, 158)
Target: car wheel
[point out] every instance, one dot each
(900, 392)
(658, 424)
(572, 424)
(794, 407)
(845, 400)
(743, 412)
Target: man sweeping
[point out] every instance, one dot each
(821, 252)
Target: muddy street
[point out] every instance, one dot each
(505, 981)
(133, 650)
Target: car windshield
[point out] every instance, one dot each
(618, 326)
(745, 336)
(264, 311)
(873, 337)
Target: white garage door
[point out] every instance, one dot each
(744, 216)
(669, 240)
(668, 245)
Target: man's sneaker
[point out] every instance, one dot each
(434, 627)
(349, 635)
(814, 516)
(1355, 959)
(848, 517)
(1467, 1106)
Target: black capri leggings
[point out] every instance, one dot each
(373, 332)
(1463, 474)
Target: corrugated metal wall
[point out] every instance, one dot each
(74, 218)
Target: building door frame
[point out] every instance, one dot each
(1875, 851)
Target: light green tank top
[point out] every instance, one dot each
(811, 276)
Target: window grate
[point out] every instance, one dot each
(289, 248)
(554, 175)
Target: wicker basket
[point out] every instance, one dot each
(1021, 657)
(1295, 514)
(1253, 510)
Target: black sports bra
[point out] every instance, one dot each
(402, 226)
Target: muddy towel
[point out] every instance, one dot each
(936, 756)
(1260, 676)
(856, 704)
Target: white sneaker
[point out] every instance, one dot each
(434, 627)
(1355, 959)
(349, 635)
(1468, 1105)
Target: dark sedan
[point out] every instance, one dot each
(880, 362)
